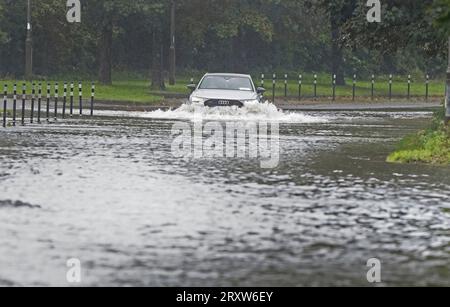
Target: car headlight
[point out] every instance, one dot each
(195, 99)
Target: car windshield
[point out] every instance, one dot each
(226, 83)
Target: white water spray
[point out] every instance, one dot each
(251, 112)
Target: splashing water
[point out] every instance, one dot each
(250, 112)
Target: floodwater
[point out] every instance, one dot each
(109, 192)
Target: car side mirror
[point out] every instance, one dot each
(192, 87)
(260, 90)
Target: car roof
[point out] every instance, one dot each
(228, 75)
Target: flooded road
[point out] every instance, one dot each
(109, 192)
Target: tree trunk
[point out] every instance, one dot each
(240, 64)
(235, 55)
(157, 62)
(172, 50)
(105, 54)
(337, 58)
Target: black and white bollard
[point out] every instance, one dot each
(64, 101)
(80, 94)
(5, 104)
(24, 99)
(49, 95)
(390, 87)
(56, 100)
(262, 80)
(409, 87)
(48, 103)
(274, 82)
(315, 86)
(33, 99)
(14, 104)
(285, 85)
(72, 87)
(39, 103)
(373, 87)
(92, 98)
(334, 87)
(354, 88)
(300, 81)
(427, 87)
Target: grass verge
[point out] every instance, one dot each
(130, 91)
(137, 88)
(427, 146)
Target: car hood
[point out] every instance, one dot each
(225, 94)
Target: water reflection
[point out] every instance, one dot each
(111, 194)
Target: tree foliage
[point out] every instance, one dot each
(227, 35)
(441, 14)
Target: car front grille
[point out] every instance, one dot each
(223, 103)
